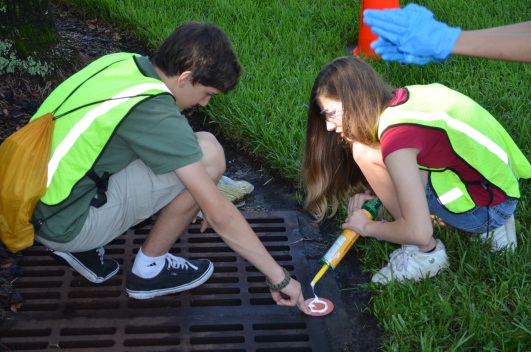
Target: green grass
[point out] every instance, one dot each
(482, 302)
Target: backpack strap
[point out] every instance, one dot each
(99, 199)
(102, 183)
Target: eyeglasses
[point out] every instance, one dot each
(332, 113)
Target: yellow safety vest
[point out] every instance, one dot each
(93, 102)
(474, 134)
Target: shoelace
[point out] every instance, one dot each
(177, 262)
(100, 252)
(399, 259)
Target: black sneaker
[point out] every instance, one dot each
(90, 264)
(178, 275)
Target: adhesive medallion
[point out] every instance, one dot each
(319, 306)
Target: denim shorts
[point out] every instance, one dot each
(477, 220)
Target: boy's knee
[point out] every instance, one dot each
(213, 154)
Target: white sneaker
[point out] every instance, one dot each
(504, 237)
(235, 191)
(243, 186)
(409, 263)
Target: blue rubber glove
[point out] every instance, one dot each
(390, 52)
(413, 32)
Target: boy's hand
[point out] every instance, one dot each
(295, 297)
(410, 35)
(204, 223)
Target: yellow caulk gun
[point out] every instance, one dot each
(344, 242)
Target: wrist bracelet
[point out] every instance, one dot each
(378, 230)
(281, 285)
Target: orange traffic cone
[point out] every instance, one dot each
(366, 37)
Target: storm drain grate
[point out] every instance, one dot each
(232, 312)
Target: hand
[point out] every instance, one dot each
(357, 221)
(204, 223)
(390, 52)
(295, 297)
(204, 226)
(436, 221)
(411, 30)
(356, 201)
(357, 218)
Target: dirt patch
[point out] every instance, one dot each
(349, 328)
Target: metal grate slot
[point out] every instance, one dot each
(217, 302)
(80, 282)
(42, 295)
(42, 307)
(27, 346)
(39, 284)
(217, 340)
(88, 331)
(150, 342)
(84, 344)
(223, 280)
(27, 332)
(44, 272)
(211, 250)
(232, 312)
(76, 305)
(92, 294)
(217, 291)
(140, 330)
(210, 328)
(154, 304)
(282, 338)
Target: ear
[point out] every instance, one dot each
(184, 77)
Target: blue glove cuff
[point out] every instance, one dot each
(451, 35)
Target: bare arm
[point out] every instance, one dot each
(413, 224)
(232, 227)
(508, 43)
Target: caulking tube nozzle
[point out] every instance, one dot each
(320, 274)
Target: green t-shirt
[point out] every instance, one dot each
(155, 131)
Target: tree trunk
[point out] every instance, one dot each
(29, 43)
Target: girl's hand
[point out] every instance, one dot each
(357, 218)
(437, 221)
(357, 201)
(357, 222)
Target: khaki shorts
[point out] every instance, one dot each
(134, 194)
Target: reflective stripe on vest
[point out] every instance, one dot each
(62, 149)
(428, 118)
(450, 196)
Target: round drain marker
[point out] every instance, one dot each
(319, 306)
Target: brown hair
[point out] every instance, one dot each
(329, 171)
(205, 50)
